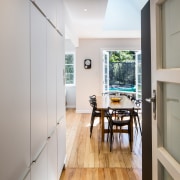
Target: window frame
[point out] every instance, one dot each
(74, 63)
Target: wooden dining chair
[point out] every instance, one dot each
(95, 113)
(117, 123)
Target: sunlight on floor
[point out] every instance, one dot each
(96, 122)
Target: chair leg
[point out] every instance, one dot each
(135, 122)
(108, 133)
(92, 123)
(130, 140)
(139, 124)
(111, 136)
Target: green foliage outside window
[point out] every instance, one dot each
(121, 56)
(122, 68)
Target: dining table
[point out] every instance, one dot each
(104, 101)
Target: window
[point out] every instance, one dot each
(122, 71)
(70, 69)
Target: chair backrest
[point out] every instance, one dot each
(112, 114)
(137, 102)
(93, 97)
(92, 101)
(109, 114)
(133, 98)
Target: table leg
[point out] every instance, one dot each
(102, 125)
(131, 124)
(132, 129)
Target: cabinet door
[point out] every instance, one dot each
(15, 89)
(52, 11)
(28, 177)
(51, 77)
(52, 157)
(39, 167)
(48, 7)
(60, 80)
(43, 5)
(61, 134)
(38, 82)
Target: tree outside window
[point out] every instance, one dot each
(69, 69)
(122, 68)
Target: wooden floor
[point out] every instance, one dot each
(89, 158)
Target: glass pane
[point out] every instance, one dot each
(105, 59)
(106, 80)
(163, 174)
(69, 69)
(139, 58)
(105, 70)
(171, 109)
(69, 78)
(170, 34)
(69, 59)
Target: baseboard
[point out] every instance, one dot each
(83, 111)
(71, 106)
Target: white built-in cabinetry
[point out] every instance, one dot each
(53, 156)
(52, 50)
(38, 83)
(32, 93)
(53, 11)
(39, 167)
(28, 177)
(61, 135)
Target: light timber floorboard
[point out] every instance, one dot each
(90, 159)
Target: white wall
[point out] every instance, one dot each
(89, 81)
(71, 96)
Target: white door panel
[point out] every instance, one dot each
(38, 82)
(43, 5)
(51, 77)
(39, 166)
(60, 79)
(52, 157)
(61, 136)
(165, 40)
(28, 177)
(49, 8)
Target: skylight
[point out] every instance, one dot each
(123, 15)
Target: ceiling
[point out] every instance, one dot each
(105, 18)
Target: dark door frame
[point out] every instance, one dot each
(146, 93)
